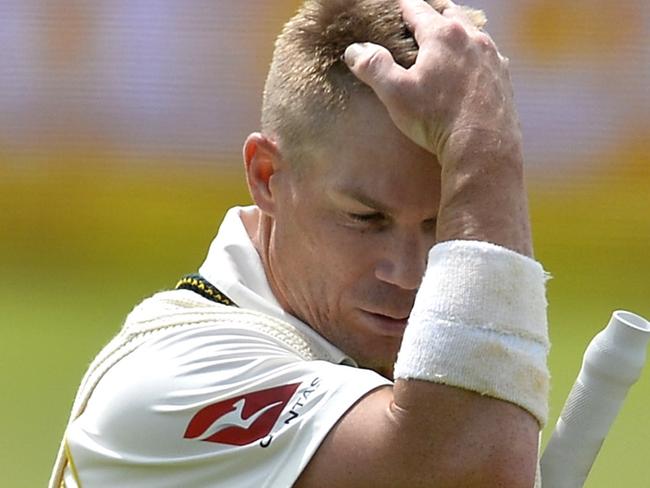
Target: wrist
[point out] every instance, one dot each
(479, 323)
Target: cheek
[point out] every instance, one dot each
(343, 247)
(347, 261)
(334, 260)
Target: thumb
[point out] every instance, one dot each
(374, 65)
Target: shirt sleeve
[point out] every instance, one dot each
(211, 407)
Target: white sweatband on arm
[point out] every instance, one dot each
(479, 323)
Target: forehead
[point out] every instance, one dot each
(365, 154)
(365, 129)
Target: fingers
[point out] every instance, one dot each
(419, 13)
(426, 17)
(440, 5)
(459, 14)
(419, 17)
(472, 21)
(375, 66)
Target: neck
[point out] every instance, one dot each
(259, 227)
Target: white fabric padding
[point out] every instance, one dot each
(479, 323)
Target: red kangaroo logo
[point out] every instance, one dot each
(240, 420)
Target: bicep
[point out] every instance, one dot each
(391, 437)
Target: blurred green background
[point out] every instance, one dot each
(103, 204)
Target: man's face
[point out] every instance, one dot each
(351, 234)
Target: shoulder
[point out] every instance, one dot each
(217, 394)
(190, 342)
(169, 310)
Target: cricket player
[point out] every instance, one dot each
(376, 319)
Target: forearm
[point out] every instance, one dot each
(483, 192)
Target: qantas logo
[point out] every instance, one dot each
(240, 420)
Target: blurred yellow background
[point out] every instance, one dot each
(120, 129)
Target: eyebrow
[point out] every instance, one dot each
(359, 196)
(356, 194)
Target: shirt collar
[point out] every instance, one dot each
(234, 266)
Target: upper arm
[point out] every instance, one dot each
(456, 438)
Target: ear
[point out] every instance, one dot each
(262, 161)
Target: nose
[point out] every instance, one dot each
(403, 261)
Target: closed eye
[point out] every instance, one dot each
(367, 217)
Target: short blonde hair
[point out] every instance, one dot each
(308, 85)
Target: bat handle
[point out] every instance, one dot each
(611, 365)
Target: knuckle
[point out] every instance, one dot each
(371, 63)
(485, 41)
(454, 33)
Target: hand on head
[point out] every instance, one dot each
(456, 101)
(459, 80)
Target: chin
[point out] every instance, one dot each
(382, 362)
(369, 348)
(385, 370)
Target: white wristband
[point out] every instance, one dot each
(479, 323)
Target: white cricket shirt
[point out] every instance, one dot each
(216, 396)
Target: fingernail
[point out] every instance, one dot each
(352, 53)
